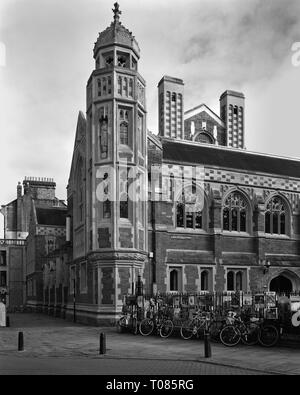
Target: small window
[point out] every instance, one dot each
(173, 97)
(239, 281)
(124, 206)
(204, 280)
(175, 281)
(230, 281)
(124, 133)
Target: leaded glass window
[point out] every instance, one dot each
(275, 216)
(235, 213)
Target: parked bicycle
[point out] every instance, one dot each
(158, 321)
(199, 323)
(250, 332)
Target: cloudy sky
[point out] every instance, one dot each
(212, 45)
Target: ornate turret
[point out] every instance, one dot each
(116, 33)
(116, 166)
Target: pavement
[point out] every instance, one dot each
(47, 338)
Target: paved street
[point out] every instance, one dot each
(56, 346)
(107, 366)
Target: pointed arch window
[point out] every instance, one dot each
(187, 214)
(235, 212)
(276, 216)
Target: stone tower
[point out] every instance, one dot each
(116, 167)
(232, 111)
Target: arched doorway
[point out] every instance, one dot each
(281, 284)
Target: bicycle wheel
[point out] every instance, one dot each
(250, 333)
(230, 335)
(268, 335)
(166, 328)
(187, 330)
(146, 327)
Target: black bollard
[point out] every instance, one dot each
(102, 349)
(20, 342)
(7, 321)
(207, 346)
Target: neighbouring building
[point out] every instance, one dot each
(27, 240)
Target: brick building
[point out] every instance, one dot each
(187, 209)
(30, 232)
(218, 217)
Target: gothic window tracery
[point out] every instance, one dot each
(187, 214)
(275, 216)
(121, 61)
(235, 213)
(109, 61)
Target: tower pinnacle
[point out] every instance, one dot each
(116, 12)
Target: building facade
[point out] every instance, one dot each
(186, 209)
(216, 217)
(34, 224)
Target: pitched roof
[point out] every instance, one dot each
(203, 107)
(51, 216)
(221, 157)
